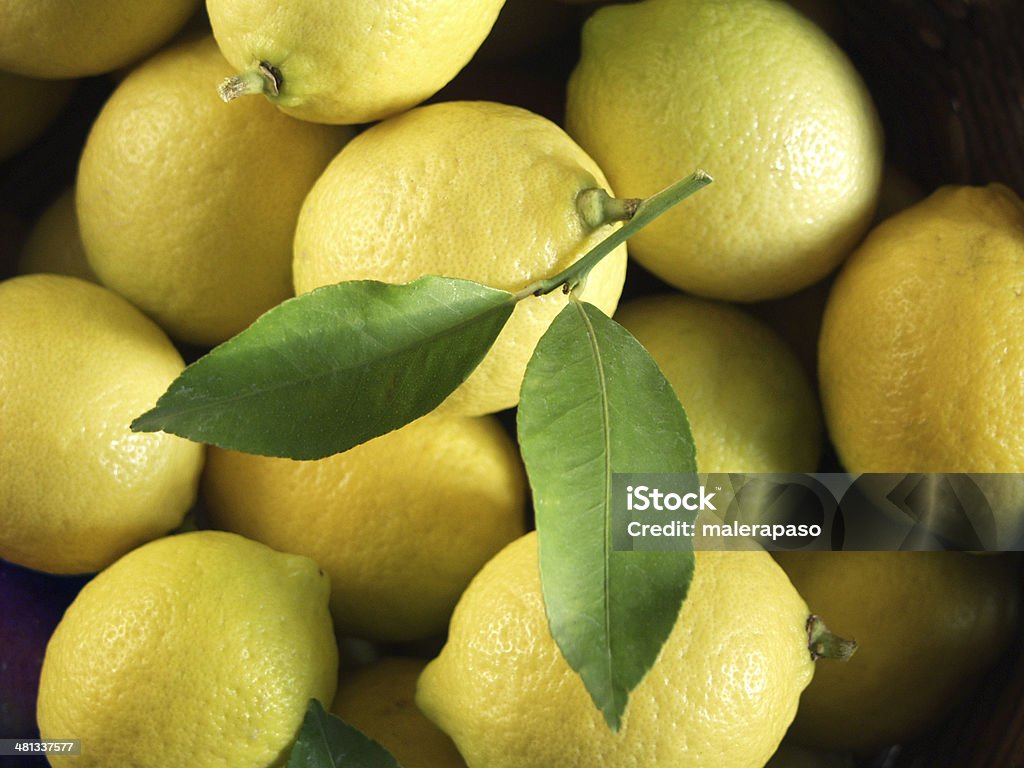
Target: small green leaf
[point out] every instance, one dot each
(593, 404)
(326, 741)
(335, 367)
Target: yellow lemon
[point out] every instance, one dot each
(722, 692)
(30, 106)
(348, 62)
(797, 319)
(199, 650)
(54, 244)
(80, 489)
(187, 208)
(922, 341)
(400, 523)
(475, 190)
(57, 39)
(758, 96)
(927, 624)
(922, 345)
(749, 403)
(379, 700)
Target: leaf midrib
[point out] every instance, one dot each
(329, 372)
(605, 422)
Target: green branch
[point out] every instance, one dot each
(644, 213)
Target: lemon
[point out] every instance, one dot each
(749, 403)
(80, 489)
(922, 344)
(922, 341)
(722, 692)
(797, 319)
(347, 62)
(30, 106)
(476, 190)
(193, 651)
(400, 523)
(379, 700)
(759, 97)
(187, 208)
(54, 244)
(927, 624)
(58, 39)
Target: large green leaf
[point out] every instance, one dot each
(594, 404)
(326, 741)
(335, 367)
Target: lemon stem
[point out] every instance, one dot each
(824, 645)
(597, 208)
(637, 214)
(265, 79)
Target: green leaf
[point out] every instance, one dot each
(335, 367)
(326, 741)
(594, 404)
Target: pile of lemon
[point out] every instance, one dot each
(397, 582)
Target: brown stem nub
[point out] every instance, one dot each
(824, 645)
(272, 77)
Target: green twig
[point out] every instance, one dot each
(646, 212)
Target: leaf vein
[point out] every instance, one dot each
(332, 367)
(606, 436)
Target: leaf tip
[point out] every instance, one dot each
(147, 422)
(326, 741)
(613, 718)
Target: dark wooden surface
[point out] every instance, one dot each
(948, 79)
